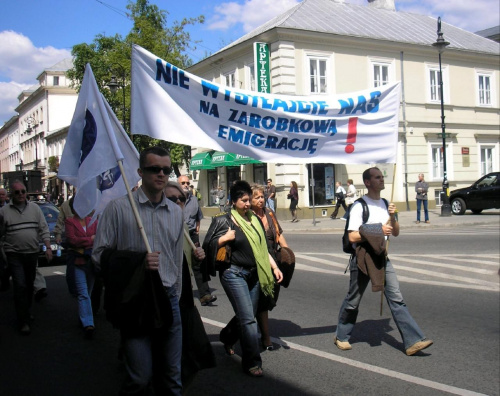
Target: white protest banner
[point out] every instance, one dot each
(171, 104)
(95, 143)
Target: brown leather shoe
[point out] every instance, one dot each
(207, 299)
(418, 346)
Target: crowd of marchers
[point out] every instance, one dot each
(144, 247)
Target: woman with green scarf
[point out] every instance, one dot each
(249, 270)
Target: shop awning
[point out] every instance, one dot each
(201, 161)
(220, 158)
(243, 160)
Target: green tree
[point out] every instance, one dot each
(53, 164)
(111, 56)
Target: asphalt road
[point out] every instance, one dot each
(449, 280)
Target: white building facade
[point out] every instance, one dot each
(326, 47)
(39, 130)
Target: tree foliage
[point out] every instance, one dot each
(111, 56)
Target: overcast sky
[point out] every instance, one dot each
(36, 34)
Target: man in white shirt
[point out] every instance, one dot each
(340, 196)
(413, 338)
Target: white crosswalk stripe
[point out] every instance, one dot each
(475, 271)
(470, 230)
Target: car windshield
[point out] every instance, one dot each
(488, 181)
(50, 213)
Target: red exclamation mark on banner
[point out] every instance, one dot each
(351, 134)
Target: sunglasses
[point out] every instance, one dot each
(186, 183)
(157, 169)
(175, 198)
(19, 192)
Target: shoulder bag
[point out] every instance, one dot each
(223, 257)
(284, 256)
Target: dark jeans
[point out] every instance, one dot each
(203, 288)
(426, 210)
(242, 288)
(153, 361)
(337, 206)
(23, 270)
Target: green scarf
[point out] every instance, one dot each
(255, 235)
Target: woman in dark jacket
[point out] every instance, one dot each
(248, 270)
(293, 196)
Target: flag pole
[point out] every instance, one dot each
(387, 245)
(134, 207)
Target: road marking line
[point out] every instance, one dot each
(494, 288)
(322, 261)
(402, 257)
(364, 366)
(446, 265)
(473, 258)
(445, 276)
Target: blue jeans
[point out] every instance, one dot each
(408, 328)
(23, 270)
(82, 282)
(419, 205)
(270, 204)
(154, 360)
(242, 288)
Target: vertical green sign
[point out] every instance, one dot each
(262, 67)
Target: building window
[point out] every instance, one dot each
(260, 174)
(230, 80)
(433, 80)
(381, 71)
(212, 186)
(437, 162)
(434, 85)
(324, 184)
(55, 81)
(484, 89)
(437, 197)
(486, 159)
(250, 75)
(380, 75)
(317, 75)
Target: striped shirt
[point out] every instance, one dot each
(163, 225)
(23, 228)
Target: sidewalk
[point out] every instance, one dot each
(406, 219)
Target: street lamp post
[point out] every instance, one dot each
(114, 85)
(441, 44)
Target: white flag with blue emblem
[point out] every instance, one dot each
(95, 143)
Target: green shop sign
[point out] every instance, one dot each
(262, 67)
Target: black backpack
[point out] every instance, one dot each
(346, 245)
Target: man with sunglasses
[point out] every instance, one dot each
(23, 225)
(192, 217)
(152, 350)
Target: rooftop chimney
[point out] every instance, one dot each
(383, 4)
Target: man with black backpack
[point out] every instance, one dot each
(373, 211)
